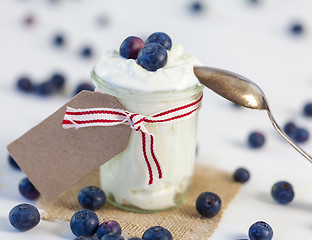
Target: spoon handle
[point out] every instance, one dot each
(285, 136)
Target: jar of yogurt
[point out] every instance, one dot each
(144, 92)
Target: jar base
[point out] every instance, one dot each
(135, 209)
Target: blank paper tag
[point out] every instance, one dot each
(54, 158)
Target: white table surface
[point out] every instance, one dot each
(252, 40)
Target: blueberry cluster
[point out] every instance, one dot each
(256, 139)
(296, 133)
(59, 41)
(54, 84)
(85, 223)
(151, 54)
(26, 188)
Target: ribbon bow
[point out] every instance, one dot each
(78, 118)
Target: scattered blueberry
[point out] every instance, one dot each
(13, 163)
(86, 52)
(157, 232)
(208, 204)
(152, 56)
(45, 88)
(130, 47)
(107, 227)
(24, 84)
(241, 175)
(256, 140)
(161, 38)
(27, 189)
(260, 231)
(59, 40)
(24, 217)
(112, 236)
(296, 28)
(91, 197)
(29, 20)
(197, 7)
(290, 128)
(307, 110)
(282, 192)
(58, 80)
(84, 223)
(301, 135)
(84, 86)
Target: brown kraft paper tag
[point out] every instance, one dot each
(54, 158)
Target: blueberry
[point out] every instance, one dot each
(282, 192)
(135, 238)
(86, 52)
(157, 232)
(24, 84)
(301, 135)
(91, 197)
(241, 175)
(45, 88)
(296, 28)
(24, 217)
(208, 204)
(260, 231)
(58, 80)
(27, 189)
(161, 38)
(112, 236)
(84, 223)
(59, 40)
(107, 227)
(197, 7)
(290, 128)
(307, 110)
(130, 47)
(256, 140)
(152, 56)
(29, 20)
(13, 163)
(84, 86)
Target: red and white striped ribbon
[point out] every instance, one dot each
(78, 118)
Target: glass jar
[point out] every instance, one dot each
(123, 177)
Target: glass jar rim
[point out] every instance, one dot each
(126, 93)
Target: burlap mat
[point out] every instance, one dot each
(183, 222)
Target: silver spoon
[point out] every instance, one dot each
(241, 91)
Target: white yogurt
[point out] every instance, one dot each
(125, 175)
(177, 74)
